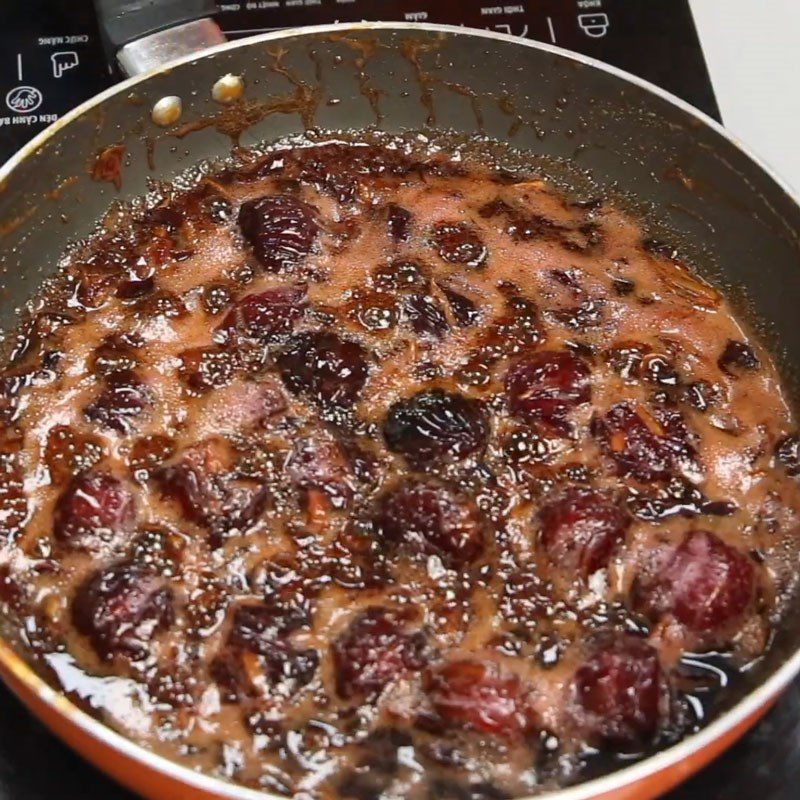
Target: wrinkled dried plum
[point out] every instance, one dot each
(319, 463)
(738, 358)
(465, 312)
(398, 220)
(400, 276)
(641, 446)
(69, 452)
(201, 483)
(426, 316)
(150, 452)
(257, 650)
(205, 368)
(435, 425)
(115, 354)
(374, 311)
(280, 229)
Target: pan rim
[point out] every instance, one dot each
(661, 761)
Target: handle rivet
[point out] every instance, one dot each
(228, 89)
(167, 111)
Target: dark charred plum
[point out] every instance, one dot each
(641, 446)
(465, 312)
(205, 368)
(373, 651)
(480, 695)
(398, 221)
(545, 386)
(428, 517)
(738, 358)
(93, 512)
(121, 608)
(787, 453)
(704, 583)
(69, 452)
(329, 370)
(261, 316)
(458, 243)
(118, 407)
(280, 229)
(620, 692)
(436, 426)
(401, 276)
(319, 463)
(426, 316)
(581, 530)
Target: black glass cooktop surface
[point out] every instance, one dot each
(51, 60)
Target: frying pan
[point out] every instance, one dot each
(737, 221)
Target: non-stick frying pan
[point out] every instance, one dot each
(694, 182)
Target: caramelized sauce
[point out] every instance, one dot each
(361, 471)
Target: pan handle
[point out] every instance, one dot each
(145, 34)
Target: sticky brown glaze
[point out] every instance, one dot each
(359, 472)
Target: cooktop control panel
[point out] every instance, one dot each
(51, 58)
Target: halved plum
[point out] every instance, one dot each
(581, 530)
(704, 583)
